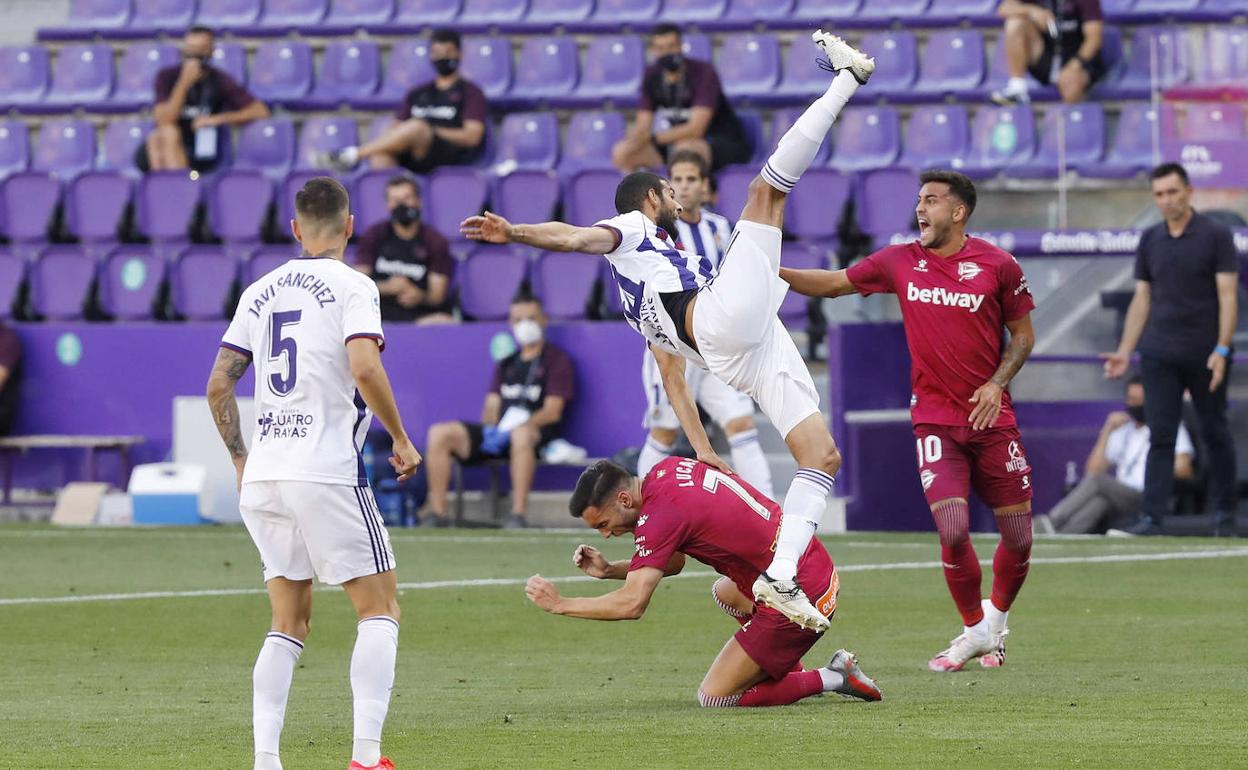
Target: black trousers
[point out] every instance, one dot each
(1164, 383)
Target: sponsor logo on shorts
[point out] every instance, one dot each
(968, 270)
(927, 477)
(1017, 463)
(942, 296)
(1026, 482)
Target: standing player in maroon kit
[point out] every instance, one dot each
(685, 507)
(956, 294)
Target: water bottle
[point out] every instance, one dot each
(1072, 477)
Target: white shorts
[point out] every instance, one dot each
(721, 401)
(304, 529)
(740, 337)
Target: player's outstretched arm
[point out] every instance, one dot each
(548, 236)
(818, 283)
(627, 603)
(590, 560)
(374, 386)
(987, 399)
(227, 370)
(672, 370)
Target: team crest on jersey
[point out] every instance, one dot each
(968, 270)
(662, 472)
(1017, 463)
(928, 478)
(641, 520)
(921, 267)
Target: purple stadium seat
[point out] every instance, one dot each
(752, 127)
(528, 140)
(407, 67)
(487, 62)
(893, 10)
(201, 281)
(453, 194)
(281, 71)
(783, 120)
(86, 17)
(935, 136)
(60, 281)
(734, 184)
(826, 10)
(527, 196)
(1165, 6)
(590, 197)
(696, 45)
(953, 11)
(81, 75)
(154, 16)
(136, 73)
(231, 58)
(613, 68)
(1168, 46)
(802, 74)
(1223, 57)
(130, 281)
(1083, 126)
(14, 147)
(368, 196)
(896, 62)
(1000, 137)
(27, 202)
(589, 140)
(489, 279)
(564, 283)
(749, 64)
(418, 13)
(12, 275)
(350, 69)
(266, 145)
(164, 203)
(867, 138)
(885, 202)
(65, 148)
(486, 12)
(238, 203)
(122, 137)
(1212, 120)
(228, 13)
(1132, 150)
(693, 10)
(293, 183)
(350, 15)
(558, 11)
(95, 203)
(953, 61)
(550, 68)
(799, 256)
(24, 74)
(816, 204)
(265, 260)
(323, 134)
(1114, 8)
(611, 13)
(282, 16)
(759, 10)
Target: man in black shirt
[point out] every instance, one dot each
(440, 123)
(192, 102)
(1183, 316)
(410, 261)
(686, 97)
(1038, 30)
(523, 412)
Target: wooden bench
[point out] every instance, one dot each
(494, 469)
(11, 445)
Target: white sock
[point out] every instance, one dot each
(798, 147)
(372, 679)
(995, 617)
(748, 460)
(979, 630)
(275, 666)
(1016, 86)
(803, 510)
(831, 679)
(653, 453)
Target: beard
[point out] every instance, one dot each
(667, 220)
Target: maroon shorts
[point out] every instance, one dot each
(955, 459)
(776, 643)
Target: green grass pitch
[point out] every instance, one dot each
(1123, 654)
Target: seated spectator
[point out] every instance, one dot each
(682, 108)
(1034, 34)
(410, 261)
(193, 101)
(1100, 502)
(440, 123)
(10, 377)
(523, 412)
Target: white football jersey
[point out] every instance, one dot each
(708, 239)
(645, 264)
(295, 323)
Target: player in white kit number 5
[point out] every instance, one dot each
(313, 329)
(728, 324)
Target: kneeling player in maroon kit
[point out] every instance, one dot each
(684, 507)
(956, 294)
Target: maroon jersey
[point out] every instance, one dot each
(954, 310)
(721, 521)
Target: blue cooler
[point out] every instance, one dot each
(168, 493)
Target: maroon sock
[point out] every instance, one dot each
(1012, 560)
(773, 692)
(962, 572)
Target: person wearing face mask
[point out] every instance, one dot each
(683, 107)
(440, 123)
(194, 100)
(1100, 501)
(410, 261)
(523, 412)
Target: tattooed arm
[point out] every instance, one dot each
(987, 399)
(226, 372)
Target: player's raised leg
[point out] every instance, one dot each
(291, 602)
(372, 663)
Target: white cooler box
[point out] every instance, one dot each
(168, 493)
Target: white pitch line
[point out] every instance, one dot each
(475, 583)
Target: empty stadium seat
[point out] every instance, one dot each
(1081, 127)
(152, 17)
(528, 140)
(122, 138)
(407, 67)
(1165, 6)
(885, 203)
(590, 197)
(752, 11)
(238, 203)
(893, 10)
(60, 282)
(487, 12)
(799, 256)
(564, 283)
(226, 14)
(1206, 121)
(526, 196)
(130, 280)
(553, 12)
(752, 127)
(609, 14)
(489, 278)
(693, 10)
(281, 71)
(1169, 47)
(695, 45)
(136, 73)
(87, 17)
(283, 16)
(419, 13)
(935, 136)
(28, 200)
(954, 11)
(896, 63)
(24, 74)
(952, 62)
(550, 68)
(613, 68)
(826, 10)
(95, 202)
(81, 75)
(200, 282)
(265, 260)
(783, 120)
(749, 64)
(1132, 150)
(734, 183)
(323, 134)
(1223, 56)
(12, 276)
(802, 76)
(350, 70)
(65, 148)
(346, 16)
(815, 206)
(266, 145)
(867, 138)
(1000, 137)
(231, 58)
(165, 201)
(590, 137)
(453, 194)
(14, 147)
(487, 62)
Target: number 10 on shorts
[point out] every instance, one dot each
(930, 450)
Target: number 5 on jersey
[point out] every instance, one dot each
(281, 345)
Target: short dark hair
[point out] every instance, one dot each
(445, 35)
(200, 29)
(322, 203)
(959, 184)
(666, 28)
(689, 156)
(1166, 169)
(398, 180)
(599, 481)
(632, 190)
(525, 297)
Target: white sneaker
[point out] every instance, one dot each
(788, 598)
(997, 631)
(971, 643)
(843, 56)
(341, 161)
